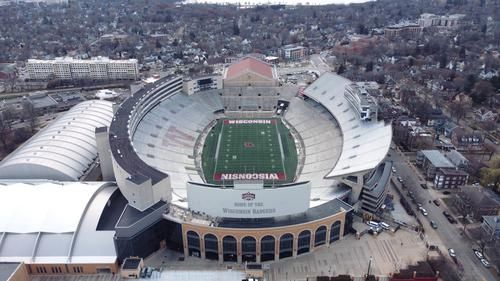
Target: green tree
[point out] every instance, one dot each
(490, 176)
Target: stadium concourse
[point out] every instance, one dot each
(171, 151)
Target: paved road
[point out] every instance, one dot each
(318, 62)
(447, 235)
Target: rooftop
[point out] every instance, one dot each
(250, 64)
(35, 230)
(7, 269)
(490, 220)
(64, 149)
(437, 159)
(131, 263)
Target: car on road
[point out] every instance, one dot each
(436, 202)
(433, 224)
(400, 179)
(478, 254)
(393, 170)
(423, 185)
(485, 263)
(446, 192)
(423, 211)
(452, 253)
(449, 217)
(149, 272)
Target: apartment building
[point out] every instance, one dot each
(99, 68)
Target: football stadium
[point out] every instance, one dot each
(230, 168)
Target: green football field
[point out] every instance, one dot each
(249, 149)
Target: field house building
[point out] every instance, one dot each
(153, 146)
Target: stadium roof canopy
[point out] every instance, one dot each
(54, 222)
(63, 150)
(364, 143)
(250, 64)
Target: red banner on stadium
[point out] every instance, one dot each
(248, 121)
(280, 176)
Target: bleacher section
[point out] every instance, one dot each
(322, 140)
(254, 98)
(166, 136)
(365, 143)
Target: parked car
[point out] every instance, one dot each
(423, 185)
(478, 254)
(374, 230)
(433, 224)
(373, 224)
(446, 192)
(485, 263)
(400, 179)
(393, 169)
(452, 253)
(423, 211)
(385, 225)
(149, 272)
(143, 273)
(436, 202)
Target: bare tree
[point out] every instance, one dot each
(459, 109)
(4, 131)
(29, 113)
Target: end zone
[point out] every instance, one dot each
(279, 176)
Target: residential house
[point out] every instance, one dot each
(477, 202)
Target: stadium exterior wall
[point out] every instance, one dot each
(249, 200)
(258, 233)
(73, 268)
(142, 185)
(140, 191)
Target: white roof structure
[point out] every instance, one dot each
(63, 150)
(365, 144)
(54, 222)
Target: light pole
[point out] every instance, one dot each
(369, 266)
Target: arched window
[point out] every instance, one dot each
(304, 242)
(286, 246)
(193, 240)
(211, 247)
(320, 236)
(229, 247)
(267, 245)
(248, 249)
(335, 232)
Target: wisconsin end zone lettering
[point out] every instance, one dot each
(248, 121)
(249, 176)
